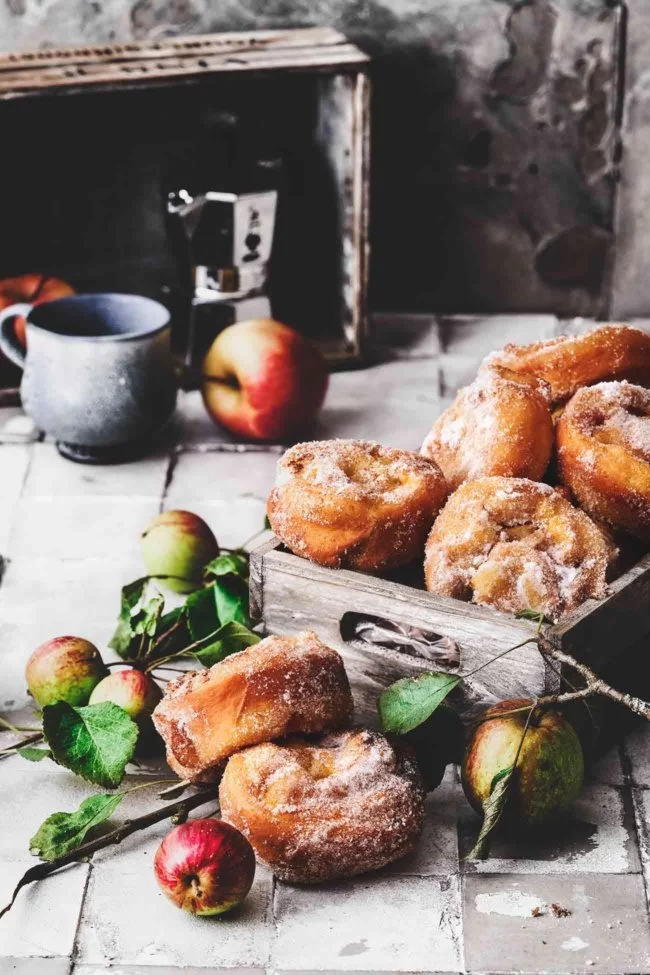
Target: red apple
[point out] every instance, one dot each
(35, 289)
(549, 771)
(66, 668)
(175, 548)
(205, 866)
(135, 692)
(263, 381)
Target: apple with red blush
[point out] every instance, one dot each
(32, 289)
(176, 546)
(67, 668)
(205, 866)
(263, 381)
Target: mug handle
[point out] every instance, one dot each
(8, 341)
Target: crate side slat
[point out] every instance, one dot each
(299, 595)
(599, 630)
(190, 46)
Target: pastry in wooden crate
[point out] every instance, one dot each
(603, 440)
(282, 685)
(355, 504)
(605, 353)
(516, 545)
(499, 425)
(314, 811)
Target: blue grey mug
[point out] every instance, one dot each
(98, 374)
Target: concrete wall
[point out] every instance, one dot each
(494, 137)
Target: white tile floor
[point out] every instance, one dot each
(69, 536)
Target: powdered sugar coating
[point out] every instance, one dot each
(603, 441)
(516, 544)
(335, 807)
(499, 425)
(355, 503)
(608, 352)
(280, 686)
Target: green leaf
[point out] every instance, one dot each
(532, 614)
(201, 612)
(141, 610)
(62, 831)
(231, 597)
(228, 563)
(95, 742)
(410, 701)
(33, 754)
(229, 639)
(267, 523)
(131, 595)
(493, 808)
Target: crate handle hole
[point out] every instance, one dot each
(413, 641)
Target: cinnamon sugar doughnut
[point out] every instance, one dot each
(603, 440)
(355, 504)
(280, 686)
(343, 805)
(566, 364)
(516, 544)
(499, 425)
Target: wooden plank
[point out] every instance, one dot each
(74, 69)
(599, 630)
(293, 594)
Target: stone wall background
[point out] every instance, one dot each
(496, 147)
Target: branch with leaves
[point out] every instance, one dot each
(409, 703)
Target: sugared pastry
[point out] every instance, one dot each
(603, 441)
(316, 811)
(516, 544)
(282, 685)
(499, 425)
(605, 353)
(355, 504)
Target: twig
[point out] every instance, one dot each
(594, 684)
(12, 749)
(86, 850)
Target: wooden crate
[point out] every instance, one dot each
(291, 594)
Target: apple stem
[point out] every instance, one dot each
(86, 850)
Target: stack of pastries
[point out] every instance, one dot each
(521, 494)
(317, 799)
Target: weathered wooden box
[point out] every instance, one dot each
(387, 628)
(100, 134)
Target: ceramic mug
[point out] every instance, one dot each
(98, 372)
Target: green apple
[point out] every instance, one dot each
(66, 668)
(175, 547)
(550, 768)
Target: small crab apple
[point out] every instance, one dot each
(66, 668)
(134, 691)
(205, 866)
(175, 547)
(550, 767)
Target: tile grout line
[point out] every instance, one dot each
(75, 941)
(172, 463)
(640, 828)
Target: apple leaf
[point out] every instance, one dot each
(130, 624)
(267, 523)
(201, 613)
(33, 754)
(95, 742)
(408, 702)
(228, 563)
(231, 597)
(228, 639)
(62, 831)
(493, 808)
